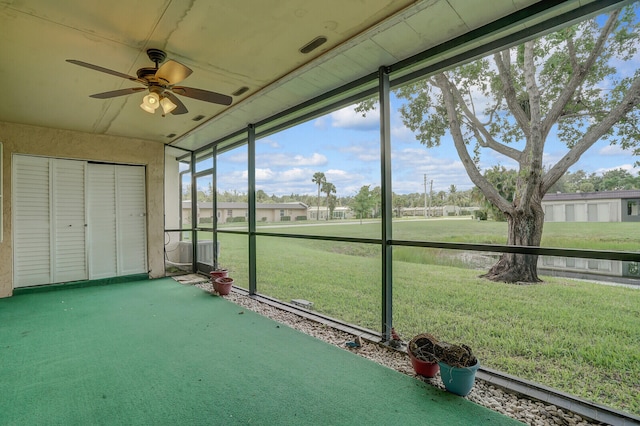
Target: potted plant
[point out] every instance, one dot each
(421, 350)
(218, 273)
(223, 285)
(458, 367)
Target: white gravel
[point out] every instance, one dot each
(528, 411)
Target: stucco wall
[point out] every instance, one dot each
(30, 140)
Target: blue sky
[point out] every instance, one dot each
(345, 147)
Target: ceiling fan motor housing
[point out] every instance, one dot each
(156, 55)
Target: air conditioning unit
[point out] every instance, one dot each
(205, 251)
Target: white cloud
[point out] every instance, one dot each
(269, 142)
(320, 123)
(401, 133)
(610, 150)
(362, 152)
(410, 165)
(295, 174)
(347, 118)
(627, 167)
(263, 174)
(290, 159)
(338, 175)
(240, 157)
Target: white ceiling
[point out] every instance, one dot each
(228, 44)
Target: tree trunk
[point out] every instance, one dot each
(525, 229)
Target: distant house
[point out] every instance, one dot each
(321, 213)
(605, 206)
(228, 212)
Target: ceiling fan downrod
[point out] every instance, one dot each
(157, 56)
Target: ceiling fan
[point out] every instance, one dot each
(161, 84)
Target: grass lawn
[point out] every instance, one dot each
(579, 337)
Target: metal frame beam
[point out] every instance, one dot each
(251, 168)
(386, 193)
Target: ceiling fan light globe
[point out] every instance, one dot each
(167, 105)
(152, 100)
(147, 108)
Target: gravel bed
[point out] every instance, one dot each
(528, 411)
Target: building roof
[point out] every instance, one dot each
(235, 205)
(586, 196)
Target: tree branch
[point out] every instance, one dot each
(458, 140)
(631, 99)
(489, 141)
(503, 62)
(579, 74)
(532, 159)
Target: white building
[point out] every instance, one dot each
(605, 206)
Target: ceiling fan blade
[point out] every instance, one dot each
(114, 93)
(203, 95)
(173, 72)
(105, 70)
(180, 108)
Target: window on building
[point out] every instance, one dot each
(230, 213)
(632, 208)
(569, 213)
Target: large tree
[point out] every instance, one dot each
(363, 202)
(571, 83)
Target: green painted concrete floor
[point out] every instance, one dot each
(157, 352)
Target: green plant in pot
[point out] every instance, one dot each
(421, 350)
(458, 367)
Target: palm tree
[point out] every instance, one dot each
(453, 197)
(328, 188)
(319, 179)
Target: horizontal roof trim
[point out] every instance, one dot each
(240, 205)
(600, 195)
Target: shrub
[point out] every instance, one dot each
(301, 218)
(238, 219)
(285, 218)
(480, 214)
(206, 220)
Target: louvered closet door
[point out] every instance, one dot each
(31, 221)
(49, 216)
(69, 230)
(131, 220)
(101, 200)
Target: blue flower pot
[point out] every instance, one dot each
(458, 380)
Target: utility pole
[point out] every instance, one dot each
(425, 195)
(430, 197)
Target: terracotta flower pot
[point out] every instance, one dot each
(424, 368)
(420, 350)
(215, 274)
(223, 285)
(218, 273)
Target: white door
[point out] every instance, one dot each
(101, 205)
(131, 220)
(49, 216)
(69, 229)
(31, 221)
(75, 220)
